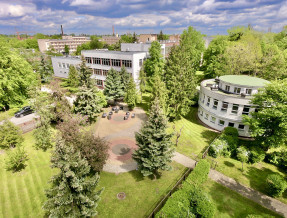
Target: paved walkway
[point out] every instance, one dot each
(264, 200)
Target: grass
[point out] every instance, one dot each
(22, 193)
(231, 204)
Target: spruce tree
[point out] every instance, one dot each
(155, 146)
(72, 193)
(73, 79)
(43, 137)
(125, 77)
(131, 94)
(89, 102)
(143, 81)
(113, 86)
(45, 70)
(159, 91)
(85, 74)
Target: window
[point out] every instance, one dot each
(105, 72)
(208, 101)
(116, 62)
(224, 106)
(60, 65)
(231, 124)
(89, 60)
(206, 116)
(235, 108)
(99, 82)
(64, 65)
(203, 98)
(227, 88)
(141, 62)
(221, 122)
(237, 90)
(241, 127)
(248, 91)
(98, 72)
(68, 65)
(106, 61)
(201, 113)
(246, 110)
(213, 119)
(215, 104)
(96, 60)
(127, 63)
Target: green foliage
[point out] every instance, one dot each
(230, 131)
(154, 152)
(73, 78)
(199, 175)
(43, 137)
(276, 184)
(180, 70)
(16, 159)
(128, 38)
(159, 91)
(10, 135)
(155, 61)
(269, 124)
(143, 82)
(45, 70)
(242, 155)
(84, 46)
(219, 148)
(131, 94)
(256, 155)
(67, 49)
(85, 74)
(96, 44)
(113, 86)
(278, 158)
(17, 77)
(89, 102)
(235, 33)
(125, 77)
(72, 192)
(162, 36)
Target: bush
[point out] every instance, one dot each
(232, 141)
(10, 135)
(256, 155)
(200, 173)
(219, 148)
(178, 205)
(279, 158)
(16, 159)
(230, 131)
(276, 184)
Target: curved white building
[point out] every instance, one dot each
(224, 100)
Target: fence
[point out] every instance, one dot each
(162, 202)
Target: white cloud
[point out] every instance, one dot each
(10, 10)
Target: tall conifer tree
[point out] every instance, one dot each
(131, 94)
(155, 146)
(113, 86)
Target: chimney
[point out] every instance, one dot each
(62, 30)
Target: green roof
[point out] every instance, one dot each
(243, 80)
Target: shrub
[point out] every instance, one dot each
(232, 142)
(178, 205)
(279, 158)
(200, 173)
(10, 135)
(219, 148)
(256, 155)
(230, 131)
(16, 159)
(276, 184)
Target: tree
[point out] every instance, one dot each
(128, 38)
(73, 78)
(155, 60)
(72, 193)
(45, 70)
(125, 77)
(17, 78)
(96, 44)
(67, 49)
(154, 152)
(131, 94)
(10, 135)
(181, 66)
(242, 155)
(84, 46)
(43, 137)
(89, 102)
(16, 159)
(236, 32)
(268, 124)
(143, 81)
(160, 92)
(113, 86)
(162, 36)
(85, 74)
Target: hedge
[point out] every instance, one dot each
(276, 184)
(190, 200)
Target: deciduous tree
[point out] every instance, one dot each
(10, 135)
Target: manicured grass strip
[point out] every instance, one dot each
(231, 204)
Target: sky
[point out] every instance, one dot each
(210, 17)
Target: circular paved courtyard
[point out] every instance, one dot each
(120, 134)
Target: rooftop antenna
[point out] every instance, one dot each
(62, 30)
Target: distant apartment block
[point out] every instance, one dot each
(58, 45)
(147, 38)
(110, 40)
(100, 62)
(174, 38)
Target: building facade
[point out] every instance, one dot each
(100, 62)
(59, 44)
(110, 40)
(143, 38)
(223, 101)
(144, 47)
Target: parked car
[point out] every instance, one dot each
(24, 111)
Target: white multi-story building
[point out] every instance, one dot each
(100, 62)
(224, 100)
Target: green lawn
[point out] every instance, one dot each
(231, 204)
